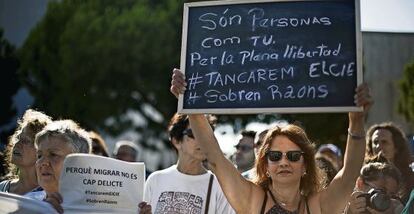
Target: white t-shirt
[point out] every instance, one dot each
(170, 191)
(249, 174)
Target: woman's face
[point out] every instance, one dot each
(382, 142)
(51, 153)
(24, 152)
(285, 170)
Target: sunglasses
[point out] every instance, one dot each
(243, 148)
(189, 133)
(292, 156)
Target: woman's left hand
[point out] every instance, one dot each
(55, 199)
(178, 84)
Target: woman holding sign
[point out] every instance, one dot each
(287, 179)
(57, 140)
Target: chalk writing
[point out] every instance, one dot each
(270, 55)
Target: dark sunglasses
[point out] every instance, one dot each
(243, 148)
(189, 133)
(292, 156)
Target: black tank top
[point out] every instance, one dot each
(277, 209)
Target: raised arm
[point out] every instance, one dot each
(334, 198)
(238, 190)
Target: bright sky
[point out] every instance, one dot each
(387, 15)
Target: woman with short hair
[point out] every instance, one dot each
(56, 141)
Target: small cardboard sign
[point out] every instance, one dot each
(96, 184)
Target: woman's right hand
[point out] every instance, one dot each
(178, 83)
(55, 199)
(144, 208)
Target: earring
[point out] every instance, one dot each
(304, 173)
(268, 174)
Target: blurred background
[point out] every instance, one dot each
(107, 65)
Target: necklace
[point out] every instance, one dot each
(284, 204)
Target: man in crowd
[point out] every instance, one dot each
(186, 187)
(245, 156)
(251, 173)
(376, 190)
(126, 151)
(332, 153)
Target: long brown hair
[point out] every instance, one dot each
(402, 155)
(32, 120)
(312, 181)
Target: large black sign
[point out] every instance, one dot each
(290, 56)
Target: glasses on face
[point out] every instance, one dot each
(382, 190)
(292, 156)
(189, 133)
(24, 140)
(243, 148)
(374, 187)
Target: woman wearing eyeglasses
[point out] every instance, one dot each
(287, 177)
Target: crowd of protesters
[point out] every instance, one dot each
(278, 170)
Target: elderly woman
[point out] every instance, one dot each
(21, 154)
(389, 141)
(53, 144)
(287, 178)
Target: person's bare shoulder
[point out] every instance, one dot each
(314, 203)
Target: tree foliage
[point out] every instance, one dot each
(9, 81)
(406, 100)
(323, 128)
(90, 60)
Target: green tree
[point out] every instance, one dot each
(8, 66)
(91, 60)
(323, 128)
(406, 100)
